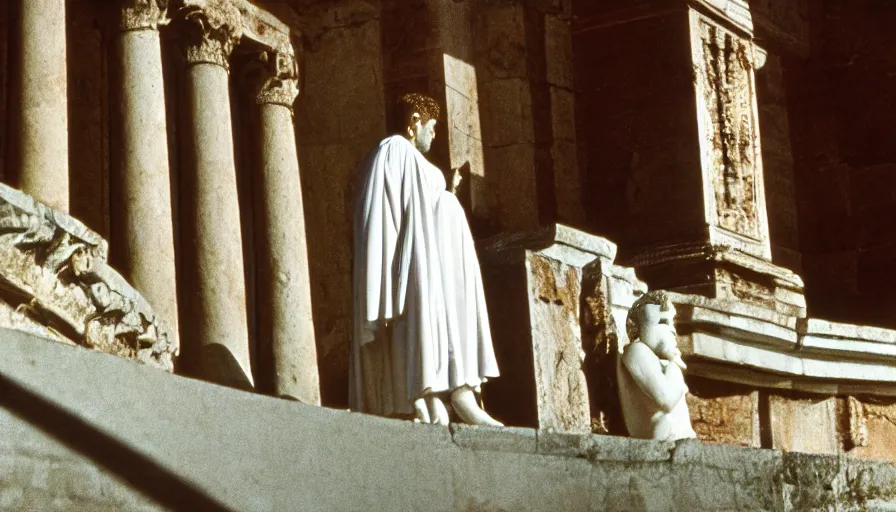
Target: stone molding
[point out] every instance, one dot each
(280, 82)
(217, 28)
(55, 273)
(735, 274)
(572, 246)
(729, 340)
(736, 12)
(143, 14)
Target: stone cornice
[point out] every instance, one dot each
(735, 342)
(269, 27)
(143, 14)
(217, 27)
(280, 84)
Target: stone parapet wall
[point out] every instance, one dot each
(91, 431)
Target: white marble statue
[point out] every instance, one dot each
(651, 386)
(421, 332)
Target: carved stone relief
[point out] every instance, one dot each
(281, 73)
(54, 273)
(725, 78)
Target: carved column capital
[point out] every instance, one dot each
(280, 80)
(215, 27)
(143, 14)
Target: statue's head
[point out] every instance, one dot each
(415, 117)
(651, 320)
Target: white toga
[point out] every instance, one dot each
(415, 268)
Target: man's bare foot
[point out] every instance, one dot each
(464, 401)
(437, 411)
(421, 411)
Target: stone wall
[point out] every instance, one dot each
(782, 31)
(639, 145)
(339, 118)
(845, 163)
(89, 45)
(91, 431)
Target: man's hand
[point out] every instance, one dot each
(456, 178)
(457, 175)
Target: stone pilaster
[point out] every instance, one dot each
(677, 170)
(503, 71)
(429, 48)
(143, 237)
(212, 236)
(41, 102)
(284, 304)
(524, 64)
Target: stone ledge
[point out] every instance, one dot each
(557, 241)
(499, 439)
(603, 448)
(735, 342)
(691, 451)
(250, 452)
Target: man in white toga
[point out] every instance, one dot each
(421, 332)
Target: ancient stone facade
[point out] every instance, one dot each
(180, 178)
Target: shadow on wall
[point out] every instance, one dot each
(141, 473)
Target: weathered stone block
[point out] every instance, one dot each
(563, 124)
(879, 424)
(502, 481)
(558, 48)
(510, 175)
(58, 276)
(554, 318)
(503, 51)
(547, 269)
(508, 108)
(500, 439)
(622, 449)
(804, 425)
(724, 413)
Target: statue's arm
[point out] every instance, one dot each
(664, 387)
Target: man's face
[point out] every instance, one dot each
(658, 331)
(423, 135)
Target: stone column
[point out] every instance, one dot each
(42, 149)
(143, 237)
(214, 259)
(284, 305)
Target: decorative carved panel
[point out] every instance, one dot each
(55, 281)
(725, 86)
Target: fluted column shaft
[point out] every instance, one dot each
(143, 232)
(42, 126)
(218, 299)
(286, 326)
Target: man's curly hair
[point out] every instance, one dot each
(409, 104)
(658, 297)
